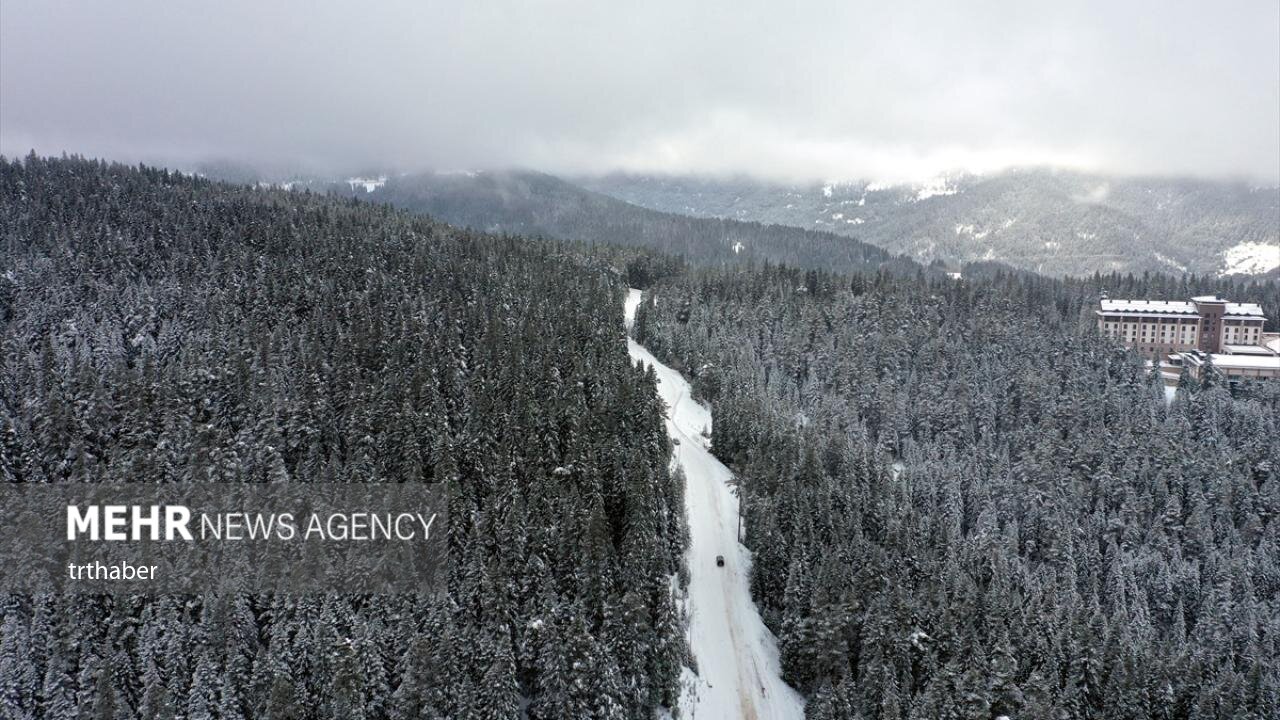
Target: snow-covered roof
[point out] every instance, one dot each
(1250, 310)
(1247, 350)
(1176, 307)
(1239, 362)
(1232, 309)
(1163, 307)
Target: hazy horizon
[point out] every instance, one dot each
(831, 92)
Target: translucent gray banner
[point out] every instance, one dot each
(213, 537)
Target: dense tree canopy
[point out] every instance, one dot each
(963, 503)
(161, 328)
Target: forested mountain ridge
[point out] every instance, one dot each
(163, 328)
(533, 204)
(1051, 222)
(963, 503)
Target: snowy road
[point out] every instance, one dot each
(739, 673)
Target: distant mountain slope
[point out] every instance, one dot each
(529, 203)
(1049, 222)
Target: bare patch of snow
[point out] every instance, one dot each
(284, 185)
(369, 184)
(1171, 262)
(631, 305)
(918, 638)
(972, 231)
(737, 247)
(940, 185)
(1251, 258)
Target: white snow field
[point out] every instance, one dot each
(1251, 258)
(739, 675)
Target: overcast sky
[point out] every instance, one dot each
(832, 90)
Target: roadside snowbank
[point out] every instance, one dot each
(739, 671)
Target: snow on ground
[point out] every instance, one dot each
(895, 470)
(369, 184)
(940, 185)
(1171, 262)
(972, 231)
(1251, 258)
(739, 674)
(630, 305)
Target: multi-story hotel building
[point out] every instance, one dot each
(1159, 328)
